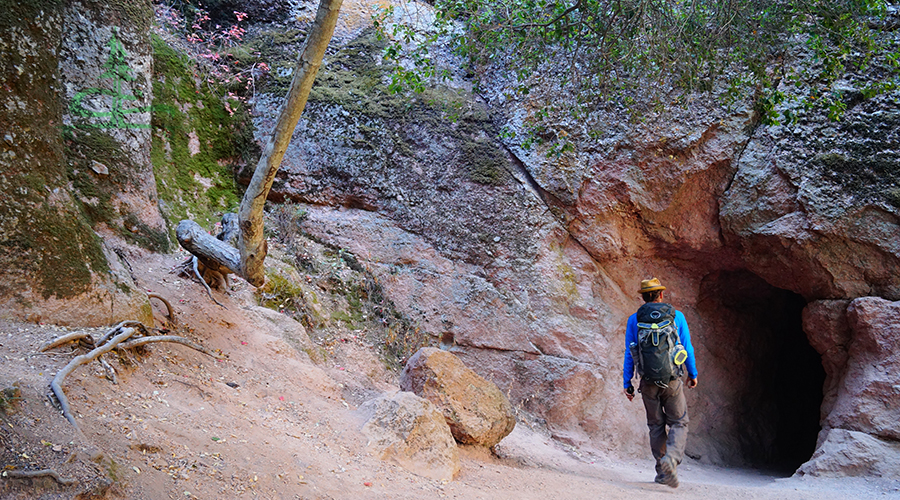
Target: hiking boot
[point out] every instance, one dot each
(667, 473)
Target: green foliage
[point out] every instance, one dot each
(615, 49)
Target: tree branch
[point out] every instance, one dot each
(251, 240)
(248, 261)
(548, 23)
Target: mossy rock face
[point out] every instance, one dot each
(430, 160)
(45, 242)
(485, 163)
(105, 65)
(99, 195)
(329, 291)
(197, 141)
(819, 198)
(862, 159)
(53, 266)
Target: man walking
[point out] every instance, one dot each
(658, 344)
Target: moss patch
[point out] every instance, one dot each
(485, 163)
(196, 141)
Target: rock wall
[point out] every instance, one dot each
(526, 264)
(53, 266)
(860, 434)
(106, 68)
(779, 243)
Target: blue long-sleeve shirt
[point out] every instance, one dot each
(631, 336)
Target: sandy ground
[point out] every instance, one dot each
(269, 423)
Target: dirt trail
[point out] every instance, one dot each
(269, 423)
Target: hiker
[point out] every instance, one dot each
(658, 344)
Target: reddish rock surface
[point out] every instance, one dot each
(851, 453)
(868, 399)
(775, 241)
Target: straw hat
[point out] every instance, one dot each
(651, 285)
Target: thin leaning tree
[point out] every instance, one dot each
(247, 260)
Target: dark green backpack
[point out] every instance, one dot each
(658, 354)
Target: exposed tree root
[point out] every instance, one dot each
(28, 474)
(69, 337)
(115, 338)
(203, 282)
(169, 338)
(56, 383)
(110, 371)
(127, 323)
(171, 313)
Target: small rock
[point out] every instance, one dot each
(99, 168)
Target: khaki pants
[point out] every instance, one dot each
(666, 407)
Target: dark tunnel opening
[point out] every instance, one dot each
(779, 395)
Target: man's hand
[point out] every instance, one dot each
(691, 383)
(629, 393)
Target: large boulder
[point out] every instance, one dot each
(410, 431)
(475, 409)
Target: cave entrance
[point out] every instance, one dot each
(777, 393)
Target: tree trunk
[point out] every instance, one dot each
(251, 240)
